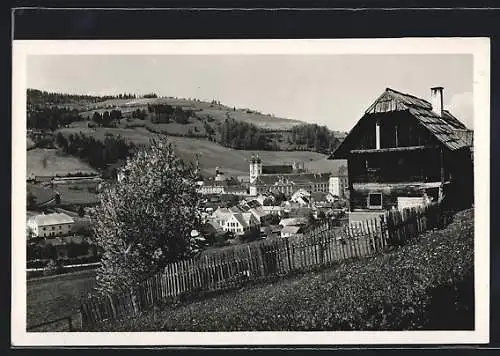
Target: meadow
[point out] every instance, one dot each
(49, 298)
(212, 155)
(49, 162)
(203, 110)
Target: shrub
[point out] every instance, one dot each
(144, 222)
(52, 268)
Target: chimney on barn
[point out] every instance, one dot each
(437, 100)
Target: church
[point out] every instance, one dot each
(285, 179)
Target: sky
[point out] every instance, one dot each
(331, 90)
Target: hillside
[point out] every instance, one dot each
(215, 111)
(212, 155)
(203, 110)
(223, 136)
(49, 162)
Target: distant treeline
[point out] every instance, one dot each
(245, 136)
(50, 118)
(35, 96)
(315, 137)
(98, 154)
(164, 113)
(107, 118)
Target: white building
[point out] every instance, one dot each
(337, 186)
(235, 222)
(293, 222)
(212, 187)
(272, 209)
(289, 231)
(47, 225)
(299, 195)
(255, 168)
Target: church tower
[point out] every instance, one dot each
(258, 162)
(197, 167)
(255, 168)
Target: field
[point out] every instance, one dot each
(202, 109)
(75, 194)
(49, 162)
(49, 298)
(212, 155)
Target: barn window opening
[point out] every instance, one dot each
(375, 201)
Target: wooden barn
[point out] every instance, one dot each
(405, 152)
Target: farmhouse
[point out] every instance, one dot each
(293, 221)
(239, 223)
(322, 198)
(290, 230)
(405, 152)
(48, 225)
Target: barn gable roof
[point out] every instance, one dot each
(446, 128)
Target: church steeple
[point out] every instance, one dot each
(255, 168)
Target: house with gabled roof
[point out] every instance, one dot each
(50, 225)
(236, 221)
(406, 151)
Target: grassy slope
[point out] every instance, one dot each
(211, 155)
(55, 163)
(50, 298)
(387, 292)
(203, 109)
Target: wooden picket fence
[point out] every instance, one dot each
(234, 267)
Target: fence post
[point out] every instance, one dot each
(287, 246)
(133, 297)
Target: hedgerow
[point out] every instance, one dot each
(425, 285)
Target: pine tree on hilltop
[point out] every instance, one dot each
(144, 222)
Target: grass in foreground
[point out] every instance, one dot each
(425, 285)
(50, 298)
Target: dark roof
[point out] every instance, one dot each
(443, 128)
(275, 169)
(253, 204)
(215, 183)
(318, 196)
(235, 188)
(446, 128)
(298, 178)
(393, 100)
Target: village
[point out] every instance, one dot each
(285, 203)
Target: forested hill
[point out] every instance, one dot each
(232, 127)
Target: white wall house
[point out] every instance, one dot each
(337, 186)
(212, 187)
(237, 223)
(48, 225)
(300, 193)
(289, 231)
